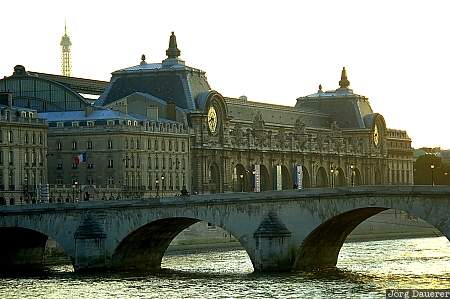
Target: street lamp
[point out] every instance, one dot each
(162, 186)
(76, 189)
(157, 187)
(254, 180)
(353, 174)
(332, 176)
(432, 174)
(242, 182)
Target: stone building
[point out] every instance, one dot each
(329, 138)
(23, 150)
(103, 154)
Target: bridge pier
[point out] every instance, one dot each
(272, 252)
(90, 250)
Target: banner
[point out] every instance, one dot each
(257, 178)
(279, 178)
(44, 192)
(298, 180)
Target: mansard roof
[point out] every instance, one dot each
(349, 109)
(170, 80)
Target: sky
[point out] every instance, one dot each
(396, 52)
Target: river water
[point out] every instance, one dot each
(364, 270)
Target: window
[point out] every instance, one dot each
(163, 145)
(90, 181)
(1, 158)
(10, 136)
(90, 123)
(170, 163)
(126, 143)
(74, 145)
(149, 144)
(40, 138)
(164, 162)
(135, 123)
(11, 180)
(26, 138)
(156, 163)
(59, 181)
(156, 145)
(110, 122)
(110, 144)
(90, 165)
(129, 122)
(59, 124)
(11, 158)
(74, 165)
(138, 144)
(27, 158)
(182, 146)
(75, 124)
(170, 145)
(59, 145)
(33, 138)
(110, 163)
(40, 160)
(89, 144)
(111, 181)
(59, 166)
(149, 163)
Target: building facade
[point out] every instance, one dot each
(23, 151)
(163, 120)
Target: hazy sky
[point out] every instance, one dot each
(396, 52)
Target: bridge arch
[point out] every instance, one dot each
(23, 248)
(144, 248)
(321, 247)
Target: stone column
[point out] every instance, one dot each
(272, 245)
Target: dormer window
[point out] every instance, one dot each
(129, 122)
(110, 122)
(90, 123)
(135, 123)
(75, 124)
(59, 124)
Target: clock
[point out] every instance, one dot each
(212, 119)
(376, 136)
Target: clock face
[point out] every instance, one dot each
(212, 119)
(376, 136)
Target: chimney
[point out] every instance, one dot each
(171, 112)
(152, 113)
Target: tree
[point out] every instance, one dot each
(423, 173)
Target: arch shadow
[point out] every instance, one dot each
(320, 249)
(23, 249)
(144, 248)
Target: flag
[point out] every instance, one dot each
(80, 158)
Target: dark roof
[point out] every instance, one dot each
(343, 106)
(177, 82)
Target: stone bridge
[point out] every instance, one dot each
(280, 230)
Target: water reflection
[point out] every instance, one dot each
(364, 270)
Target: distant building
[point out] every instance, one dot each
(66, 59)
(23, 150)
